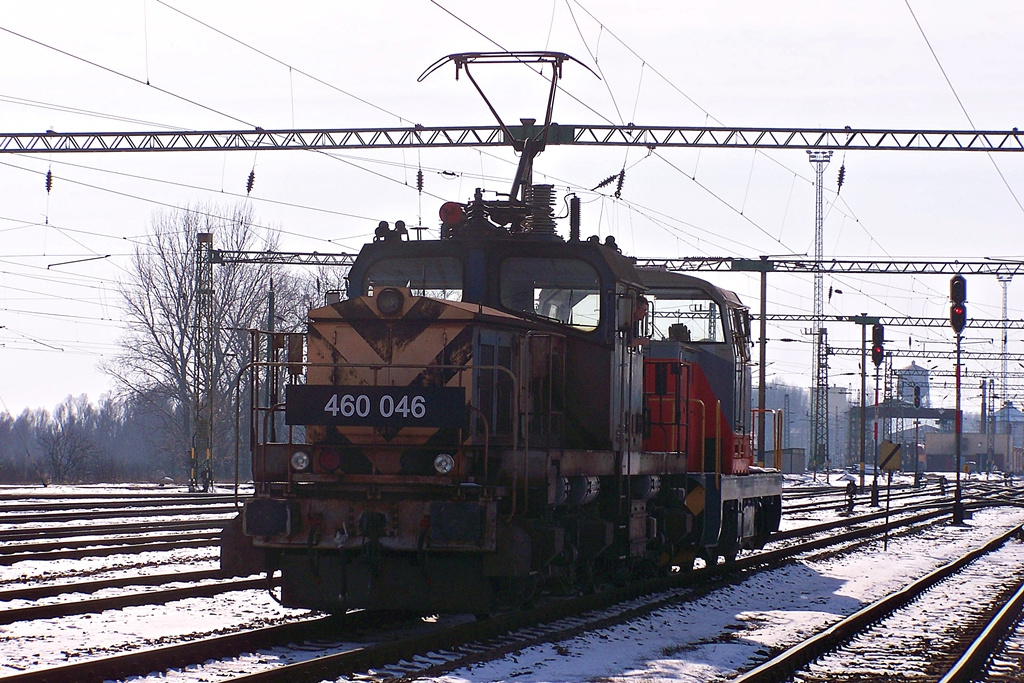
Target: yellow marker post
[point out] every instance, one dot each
(889, 454)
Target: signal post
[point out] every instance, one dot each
(877, 356)
(958, 320)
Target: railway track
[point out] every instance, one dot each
(997, 654)
(433, 649)
(77, 549)
(55, 528)
(860, 646)
(205, 585)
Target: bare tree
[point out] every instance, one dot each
(159, 296)
(66, 439)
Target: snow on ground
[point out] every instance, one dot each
(711, 638)
(705, 640)
(51, 642)
(38, 572)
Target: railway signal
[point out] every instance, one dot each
(877, 339)
(958, 305)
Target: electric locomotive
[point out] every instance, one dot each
(503, 411)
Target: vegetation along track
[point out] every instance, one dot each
(431, 651)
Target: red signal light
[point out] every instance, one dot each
(877, 339)
(958, 317)
(877, 354)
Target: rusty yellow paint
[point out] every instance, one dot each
(695, 500)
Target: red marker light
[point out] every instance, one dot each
(329, 460)
(451, 213)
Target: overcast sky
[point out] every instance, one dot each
(74, 66)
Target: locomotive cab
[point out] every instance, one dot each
(502, 411)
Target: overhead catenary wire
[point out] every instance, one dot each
(126, 76)
(640, 211)
(960, 102)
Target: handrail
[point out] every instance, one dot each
(778, 442)
(776, 432)
(718, 437)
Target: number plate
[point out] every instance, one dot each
(375, 406)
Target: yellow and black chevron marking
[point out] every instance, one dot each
(433, 337)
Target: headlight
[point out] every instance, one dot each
(300, 461)
(390, 302)
(444, 463)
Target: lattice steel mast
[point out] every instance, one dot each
(200, 471)
(1004, 280)
(819, 372)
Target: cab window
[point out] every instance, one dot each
(565, 290)
(688, 316)
(440, 277)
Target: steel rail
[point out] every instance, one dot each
(57, 516)
(782, 666)
(96, 605)
(86, 587)
(44, 494)
(166, 657)
(22, 506)
(531, 623)
(46, 547)
(970, 666)
(105, 550)
(170, 656)
(98, 529)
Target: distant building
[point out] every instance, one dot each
(907, 379)
(794, 461)
(1010, 420)
(985, 452)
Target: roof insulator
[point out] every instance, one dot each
(606, 181)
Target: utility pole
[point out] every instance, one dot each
(863, 392)
(762, 363)
(1004, 280)
(819, 372)
(271, 388)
